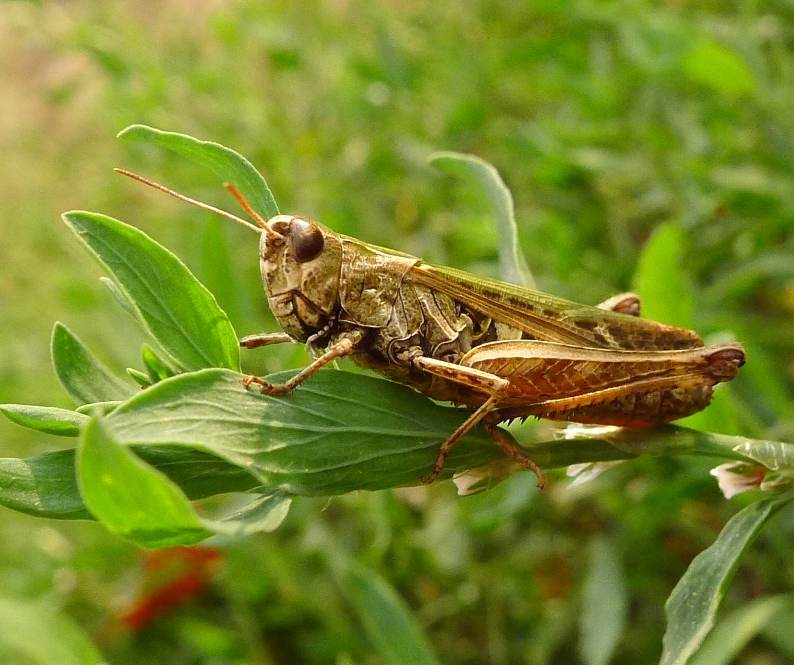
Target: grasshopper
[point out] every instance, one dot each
(502, 351)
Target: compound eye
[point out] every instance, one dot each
(307, 240)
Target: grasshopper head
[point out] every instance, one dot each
(300, 262)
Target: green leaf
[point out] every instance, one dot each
(224, 162)
(143, 505)
(336, 433)
(666, 294)
(778, 631)
(97, 408)
(339, 432)
(44, 485)
(85, 378)
(36, 633)
(692, 607)
(130, 497)
(198, 474)
(659, 278)
(156, 367)
(665, 440)
(47, 419)
(180, 314)
(330, 436)
(719, 68)
(736, 630)
(604, 604)
(479, 173)
(776, 456)
(264, 513)
(143, 380)
(388, 621)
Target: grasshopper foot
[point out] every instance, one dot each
(427, 480)
(512, 451)
(509, 448)
(266, 388)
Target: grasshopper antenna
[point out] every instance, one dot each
(237, 194)
(205, 206)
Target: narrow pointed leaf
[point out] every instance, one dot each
(180, 314)
(604, 604)
(388, 621)
(228, 165)
(143, 380)
(692, 607)
(736, 630)
(778, 631)
(44, 485)
(83, 376)
(157, 368)
(512, 264)
(660, 278)
(47, 419)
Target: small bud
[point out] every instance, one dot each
(737, 477)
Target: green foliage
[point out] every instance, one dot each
(762, 617)
(45, 486)
(387, 620)
(512, 264)
(692, 607)
(228, 165)
(604, 604)
(171, 304)
(35, 633)
(131, 498)
(82, 375)
(660, 280)
(317, 441)
(607, 120)
(47, 419)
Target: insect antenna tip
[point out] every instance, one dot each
(187, 199)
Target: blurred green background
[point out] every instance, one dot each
(609, 121)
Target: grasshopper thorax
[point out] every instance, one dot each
(300, 262)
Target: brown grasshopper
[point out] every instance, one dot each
(501, 350)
